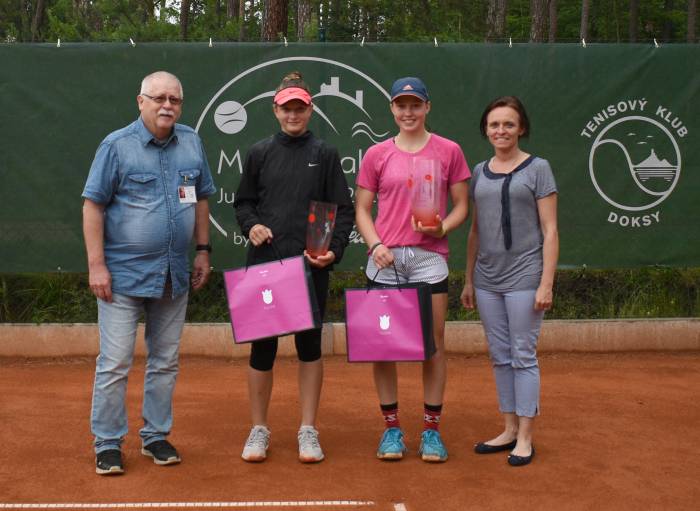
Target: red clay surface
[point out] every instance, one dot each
(617, 431)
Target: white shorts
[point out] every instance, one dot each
(413, 264)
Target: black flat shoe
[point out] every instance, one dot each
(519, 461)
(483, 448)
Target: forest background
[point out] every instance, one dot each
(579, 293)
(604, 21)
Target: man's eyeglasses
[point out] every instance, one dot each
(162, 99)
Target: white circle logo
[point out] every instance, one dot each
(350, 112)
(230, 117)
(635, 163)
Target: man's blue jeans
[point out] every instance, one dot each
(118, 320)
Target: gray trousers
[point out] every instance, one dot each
(512, 326)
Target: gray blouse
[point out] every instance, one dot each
(519, 267)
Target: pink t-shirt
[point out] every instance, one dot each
(386, 170)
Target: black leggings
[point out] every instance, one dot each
(308, 342)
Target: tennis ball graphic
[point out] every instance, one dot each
(230, 117)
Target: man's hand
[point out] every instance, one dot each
(201, 269)
(100, 281)
(321, 261)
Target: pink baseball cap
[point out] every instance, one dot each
(290, 93)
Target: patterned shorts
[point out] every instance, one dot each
(413, 264)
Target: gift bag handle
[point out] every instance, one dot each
(396, 274)
(274, 249)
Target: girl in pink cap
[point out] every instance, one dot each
(281, 175)
(416, 245)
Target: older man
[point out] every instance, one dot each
(145, 199)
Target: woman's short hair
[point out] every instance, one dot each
(514, 103)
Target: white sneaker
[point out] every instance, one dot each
(255, 449)
(309, 447)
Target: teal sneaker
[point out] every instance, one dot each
(431, 447)
(391, 446)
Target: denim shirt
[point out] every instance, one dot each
(147, 231)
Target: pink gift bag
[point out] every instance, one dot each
(389, 324)
(271, 299)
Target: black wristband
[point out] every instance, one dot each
(373, 248)
(202, 248)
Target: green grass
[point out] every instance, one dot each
(578, 294)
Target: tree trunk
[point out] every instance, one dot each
(184, 19)
(275, 15)
(496, 19)
(232, 9)
(553, 21)
(303, 17)
(692, 20)
(634, 20)
(241, 19)
(538, 17)
(37, 20)
(669, 28)
(372, 24)
(147, 11)
(585, 11)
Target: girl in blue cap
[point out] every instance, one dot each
(417, 247)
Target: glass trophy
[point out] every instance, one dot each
(319, 229)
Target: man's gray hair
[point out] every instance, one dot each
(146, 82)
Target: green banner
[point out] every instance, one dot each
(620, 125)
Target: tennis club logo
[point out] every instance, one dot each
(384, 322)
(635, 161)
(350, 112)
(267, 296)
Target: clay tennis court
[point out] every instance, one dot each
(617, 431)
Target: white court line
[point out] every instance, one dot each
(400, 507)
(182, 505)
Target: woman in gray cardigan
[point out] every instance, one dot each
(512, 253)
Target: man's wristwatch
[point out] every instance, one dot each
(202, 248)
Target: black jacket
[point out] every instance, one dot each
(281, 175)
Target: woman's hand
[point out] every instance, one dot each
(436, 231)
(382, 257)
(259, 234)
(467, 297)
(543, 298)
(321, 261)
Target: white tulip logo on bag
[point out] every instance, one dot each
(267, 296)
(384, 322)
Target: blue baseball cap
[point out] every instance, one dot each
(409, 86)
